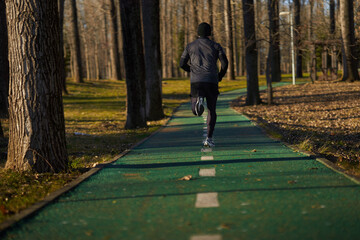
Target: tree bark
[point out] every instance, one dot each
(75, 41)
(350, 72)
(253, 96)
(211, 15)
(151, 23)
(334, 67)
(36, 116)
(62, 63)
(134, 63)
(115, 60)
(274, 47)
(313, 75)
(297, 35)
(4, 63)
(229, 39)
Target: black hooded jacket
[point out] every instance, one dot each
(203, 54)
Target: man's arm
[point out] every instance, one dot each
(224, 64)
(184, 61)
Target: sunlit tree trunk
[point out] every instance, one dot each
(134, 63)
(62, 63)
(313, 75)
(115, 60)
(151, 23)
(348, 40)
(229, 39)
(36, 116)
(253, 96)
(75, 39)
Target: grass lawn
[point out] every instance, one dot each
(94, 119)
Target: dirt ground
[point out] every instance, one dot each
(323, 118)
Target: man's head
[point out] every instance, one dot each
(204, 30)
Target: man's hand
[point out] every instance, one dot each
(219, 77)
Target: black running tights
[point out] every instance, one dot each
(211, 117)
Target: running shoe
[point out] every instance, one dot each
(209, 143)
(199, 107)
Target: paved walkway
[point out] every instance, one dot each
(247, 187)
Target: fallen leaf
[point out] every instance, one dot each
(185, 178)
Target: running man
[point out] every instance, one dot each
(203, 54)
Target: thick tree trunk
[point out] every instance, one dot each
(134, 63)
(151, 23)
(253, 96)
(4, 63)
(297, 28)
(229, 40)
(274, 48)
(115, 60)
(36, 116)
(75, 42)
(350, 72)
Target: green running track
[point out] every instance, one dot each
(248, 187)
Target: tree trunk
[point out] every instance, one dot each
(333, 53)
(134, 63)
(350, 72)
(297, 30)
(62, 63)
(75, 39)
(115, 60)
(36, 116)
(4, 63)
(242, 48)
(229, 40)
(211, 15)
(195, 18)
(253, 96)
(313, 75)
(151, 23)
(274, 47)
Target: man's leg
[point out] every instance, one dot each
(211, 117)
(193, 104)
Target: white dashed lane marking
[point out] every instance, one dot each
(207, 158)
(208, 172)
(206, 237)
(207, 200)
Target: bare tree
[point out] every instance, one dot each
(348, 40)
(4, 66)
(61, 4)
(36, 116)
(75, 43)
(253, 96)
(151, 24)
(115, 60)
(313, 75)
(297, 27)
(334, 67)
(229, 39)
(274, 36)
(134, 63)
